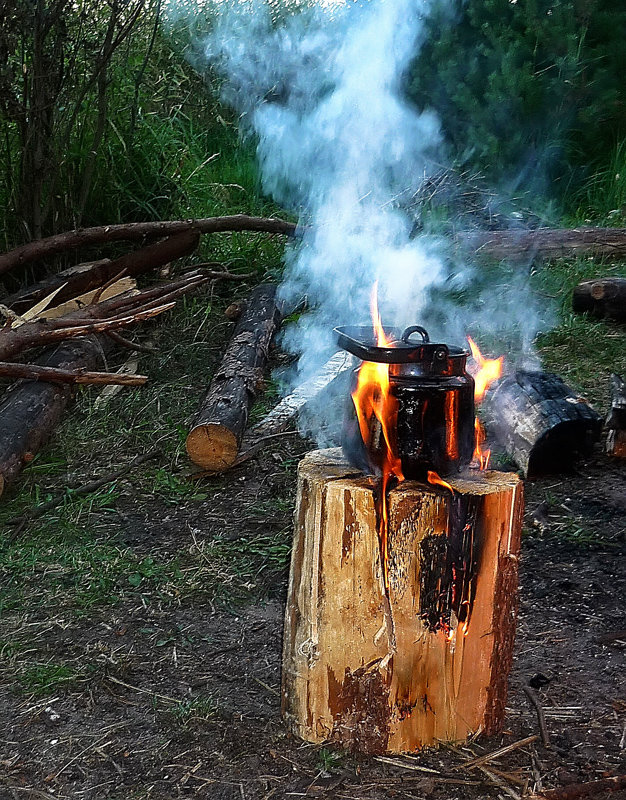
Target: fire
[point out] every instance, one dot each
(482, 454)
(437, 481)
(487, 371)
(373, 400)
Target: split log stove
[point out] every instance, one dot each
(402, 600)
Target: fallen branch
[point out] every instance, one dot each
(80, 491)
(130, 265)
(122, 312)
(9, 369)
(545, 243)
(136, 232)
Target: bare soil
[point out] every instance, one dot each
(180, 698)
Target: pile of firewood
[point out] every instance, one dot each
(73, 319)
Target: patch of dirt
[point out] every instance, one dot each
(182, 700)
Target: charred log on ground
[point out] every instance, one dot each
(541, 422)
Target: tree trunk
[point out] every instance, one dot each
(30, 410)
(216, 434)
(391, 671)
(540, 421)
(602, 297)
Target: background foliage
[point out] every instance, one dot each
(531, 92)
(103, 120)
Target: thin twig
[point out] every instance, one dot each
(124, 342)
(9, 369)
(497, 781)
(481, 760)
(86, 488)
(543, 730)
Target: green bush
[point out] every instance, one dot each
(527, 90)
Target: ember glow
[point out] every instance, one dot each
(487, 371)
(373, 401)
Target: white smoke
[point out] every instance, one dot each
(322, 89)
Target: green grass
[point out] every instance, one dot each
(583, 350)
(42, 680)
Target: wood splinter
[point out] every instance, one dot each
(390, 672)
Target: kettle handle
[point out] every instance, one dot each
(415, 329)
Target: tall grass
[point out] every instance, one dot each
(602, 198)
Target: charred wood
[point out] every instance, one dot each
(603, 297)
(216, 434)
(540, 421)
(616, 420)
(137, 232)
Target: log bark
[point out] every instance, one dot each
(30, 410)
(541, 422)
(131, 265)
(136, 232)
(545, 243)
(616, 420)
(391, 671)
(216, 434)
(602, 297)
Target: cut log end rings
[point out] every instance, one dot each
(212, 447)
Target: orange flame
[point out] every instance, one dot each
(373, 400)
(488, 370)
(437, 481)
(482, 454)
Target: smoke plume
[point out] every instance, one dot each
(322, 90)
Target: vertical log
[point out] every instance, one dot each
(429, 660)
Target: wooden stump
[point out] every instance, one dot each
(391, 672)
